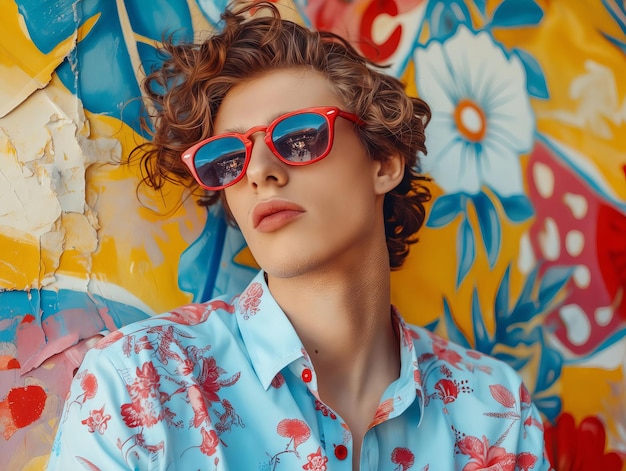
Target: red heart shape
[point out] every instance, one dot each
(26, 404)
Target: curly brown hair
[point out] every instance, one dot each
(188, 88)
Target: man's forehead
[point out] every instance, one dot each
(260, 100)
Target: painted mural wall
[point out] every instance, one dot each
(523, 255)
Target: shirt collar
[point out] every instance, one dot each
(270, 339)
(408, 387)
(273, 343)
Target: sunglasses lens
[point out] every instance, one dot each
(221, 161)
(302, 137)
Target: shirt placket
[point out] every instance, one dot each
(334, 434)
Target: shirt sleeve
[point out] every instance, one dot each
(92, 433)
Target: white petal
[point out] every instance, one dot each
(500, 169)
(470, 65)
(433, 81)
(452, 164)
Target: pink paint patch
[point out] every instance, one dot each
(108, 320)
(7, 426)
(58, 332)
(29, 340)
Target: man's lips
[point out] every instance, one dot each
(271, 215)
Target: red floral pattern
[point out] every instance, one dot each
(403, 457)
(89, 384)
(502, 395)
(197, 313)
(200, 411)
(250, 300)
(324, 409)
(441, 352)
(315, 461)
(209, 442)
(296, 430)
(485, 456)
(278, 381)
(447, 390)
(97, 421)
(146, 409)
(173, 395)
(382, 413)
(210, 381)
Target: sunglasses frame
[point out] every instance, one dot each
(329, 113)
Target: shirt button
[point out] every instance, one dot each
(341, 452)
(307, 376)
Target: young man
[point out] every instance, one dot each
(313, 154)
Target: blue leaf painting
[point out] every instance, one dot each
(501, 302)
(517, 363)
(535, 78)
(517, 208)
(516, 334)
(617, 42)
(490, 228)
(444, 16)
(481, 5)
(519, 326)
(549, 371)
(481, 337)
(515, 13)
(445, 209)
(453, 332)
(465, 250)
(554, 279)
(618, 11)
(527, 291)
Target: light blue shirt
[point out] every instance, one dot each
(228, 385)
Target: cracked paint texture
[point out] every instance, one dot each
(523, 255)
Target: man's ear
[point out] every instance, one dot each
(389, 173)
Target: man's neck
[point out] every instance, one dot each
(344, 322)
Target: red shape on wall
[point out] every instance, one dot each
(572, 448)
(371, 49)
(611, 249)
(26, 404)
(600, 227)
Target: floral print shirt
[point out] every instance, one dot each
(228, 385)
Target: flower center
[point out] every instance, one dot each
(470, 120)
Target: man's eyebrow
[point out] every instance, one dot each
(236, 129)
(241, 130)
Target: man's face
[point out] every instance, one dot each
(299, 219)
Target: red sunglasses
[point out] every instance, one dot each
(297, 138)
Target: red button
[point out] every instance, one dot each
(307, 376)
(341, 452)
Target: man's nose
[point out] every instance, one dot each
(264, 167)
